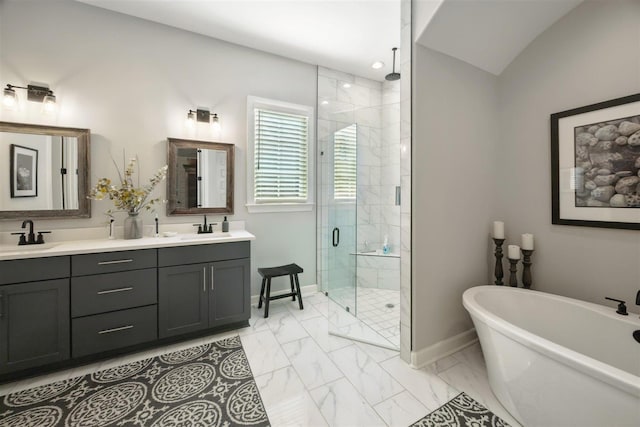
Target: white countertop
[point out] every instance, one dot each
(9, 252)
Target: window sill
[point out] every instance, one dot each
(279, 207)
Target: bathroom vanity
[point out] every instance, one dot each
(70, 303)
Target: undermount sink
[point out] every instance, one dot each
(213, 235)
(27, 248)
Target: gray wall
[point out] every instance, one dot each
(590, 55)
(132, 82)
(454, 144)
(482, 153)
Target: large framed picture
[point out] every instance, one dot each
(595, 164)
(24, 171)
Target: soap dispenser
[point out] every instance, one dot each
(225, 225)
(385, 246)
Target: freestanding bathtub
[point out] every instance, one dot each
(556, 361)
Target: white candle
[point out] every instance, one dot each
(498, 230)
(514, 252)
(527, 241)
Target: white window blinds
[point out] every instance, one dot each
(281, 156)
(344, 163)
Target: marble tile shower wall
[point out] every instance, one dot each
(344, 99)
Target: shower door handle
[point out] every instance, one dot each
(336, 237)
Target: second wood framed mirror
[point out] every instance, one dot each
(200, 178)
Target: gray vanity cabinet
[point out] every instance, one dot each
(203, 295)
(83, 306)
(113, 300)
(229, 299)
(182, 299)
(34, 324)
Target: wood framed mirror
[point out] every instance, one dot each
(46, 171)
(200, 178)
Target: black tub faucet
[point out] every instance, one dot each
(622, 308)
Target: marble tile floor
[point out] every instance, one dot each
(307, 377)
(374, 310)
(379, 323)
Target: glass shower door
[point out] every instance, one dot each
(342, 219)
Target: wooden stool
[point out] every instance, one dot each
(290, 270)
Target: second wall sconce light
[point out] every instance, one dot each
(201, 115)
(34, 93)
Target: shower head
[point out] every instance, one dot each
(393, 75)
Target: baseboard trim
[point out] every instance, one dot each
(305, 290)
(443, 348)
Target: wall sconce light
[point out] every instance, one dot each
(34, 93)
(205, 116)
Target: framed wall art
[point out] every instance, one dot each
(595, 164)
(24, 171)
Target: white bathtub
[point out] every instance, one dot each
(555, 361)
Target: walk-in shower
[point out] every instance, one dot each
(359, 205)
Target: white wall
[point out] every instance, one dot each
(132, 82)
(590, 55)
(454, 144)
(481, 152)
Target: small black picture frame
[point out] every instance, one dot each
(595, 164)
(24, 171)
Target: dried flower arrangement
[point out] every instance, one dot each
(126, 197)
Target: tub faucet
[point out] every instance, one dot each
(622, 308)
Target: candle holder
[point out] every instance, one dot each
(498, 269)
(513, 269)
(526, 271)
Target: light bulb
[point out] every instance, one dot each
(10, 99)
(191, 119)
(49, 104)
(377, 65)
(215, 123)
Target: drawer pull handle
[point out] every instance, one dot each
(121, 328)
(204, 279)
(110, 291)
(212, 278)
(118, 261)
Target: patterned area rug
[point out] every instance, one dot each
(461, 411)
(207, 385)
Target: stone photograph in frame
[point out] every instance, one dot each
(595, 164)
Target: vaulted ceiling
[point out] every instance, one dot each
(349, 35)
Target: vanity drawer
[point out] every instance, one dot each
(33, 269)
(113, 291)
(102, 332)
(203, 253)
(110, 262)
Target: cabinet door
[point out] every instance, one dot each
(34, 324)
(229, 299)
(182, 299)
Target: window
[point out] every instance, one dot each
(344, 163)
(280, 156)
